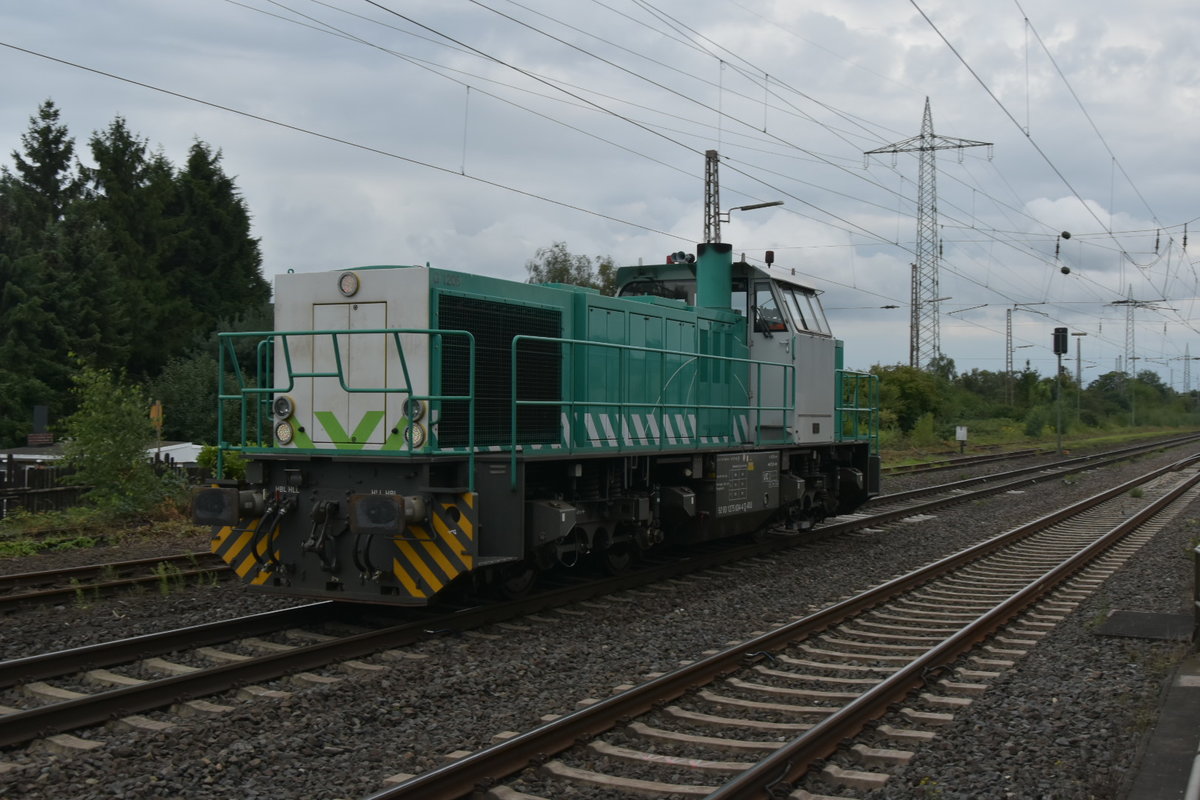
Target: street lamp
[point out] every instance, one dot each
(724, 215)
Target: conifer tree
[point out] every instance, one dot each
(33, 335)
(129, 194)
(212, 260)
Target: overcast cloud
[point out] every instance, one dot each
(469, 134)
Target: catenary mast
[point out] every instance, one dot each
(924, 343)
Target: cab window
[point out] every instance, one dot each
(768, 317)
(797, 307)
(816, 313)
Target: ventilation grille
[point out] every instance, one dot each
(494, 324)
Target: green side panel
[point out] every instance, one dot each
(655, 375)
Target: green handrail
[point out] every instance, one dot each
(788, 390)
(857, 407)
(264, 386)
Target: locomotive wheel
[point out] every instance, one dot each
(516, 581)
(616, 559)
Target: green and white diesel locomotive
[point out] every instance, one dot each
(410, 430)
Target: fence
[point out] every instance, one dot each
(37, 488)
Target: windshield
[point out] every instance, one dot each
(805, 309)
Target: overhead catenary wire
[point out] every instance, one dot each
(337, 140)
(964, 222)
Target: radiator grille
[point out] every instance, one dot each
(494, 324)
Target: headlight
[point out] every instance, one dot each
(415, 435)
(284, 433)
(414, 409)
(283, 407)
(348, 284)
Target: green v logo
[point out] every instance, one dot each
(361, 434)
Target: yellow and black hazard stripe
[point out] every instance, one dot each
(425, 558)
(233, 546)
(428, 557)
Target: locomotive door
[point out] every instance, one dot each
(770, 341)
(349, 420)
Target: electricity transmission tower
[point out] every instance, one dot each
(1130, 354)
(924, 344)
(1131, 305)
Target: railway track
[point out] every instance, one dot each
(783, 710)
(168, 572)
(91, 581)
(961, 462)
(147, 682)
(1012, 479)
(957, 462)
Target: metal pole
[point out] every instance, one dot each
(1058, 400)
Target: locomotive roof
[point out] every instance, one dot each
(787, 275)
(682, 270)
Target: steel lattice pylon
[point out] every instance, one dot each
(924, 343)
(712, 199)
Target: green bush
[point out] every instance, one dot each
(234, 463)
(924, 432)
(1035, 422)
(106, 441)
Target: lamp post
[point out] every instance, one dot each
(1078, 372)
(1008, 344)
(723, 216)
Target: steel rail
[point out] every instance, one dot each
(791, 761)
(31, 723)
(106, 654)
(1050, 470)
(961, 461)
(487, 767)
(19, 579)
(104, 706)
(20, 598)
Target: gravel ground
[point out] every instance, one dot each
(1061, 724)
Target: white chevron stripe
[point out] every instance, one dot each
(637, 426)
(610, 438)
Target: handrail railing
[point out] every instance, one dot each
(856, 404)
(788, 390)
(857, 407)
(264, 384)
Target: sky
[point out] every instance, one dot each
(468, 134)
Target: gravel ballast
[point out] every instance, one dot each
(1063, 723)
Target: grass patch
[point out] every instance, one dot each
(85, 527)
